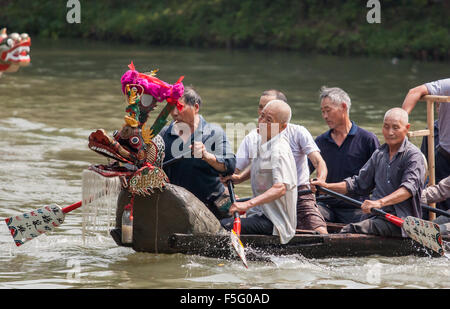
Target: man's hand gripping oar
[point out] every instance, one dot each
(424, 232)
(236, 231)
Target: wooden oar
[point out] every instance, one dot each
(30, 225)
(436, 210)
(424, 232)
(300, 193)
(236, 231)
(176, 159)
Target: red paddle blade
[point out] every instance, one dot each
(424, 232)
(30, 225)
(238, 247)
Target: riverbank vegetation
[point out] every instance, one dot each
(409, 28)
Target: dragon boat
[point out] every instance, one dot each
(14, 51)
(175, 221)
(169, 219)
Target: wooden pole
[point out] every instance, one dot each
(431, 99)
(431, 163)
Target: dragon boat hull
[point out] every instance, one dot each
(175, 221)
(260, 248)
(160, 215)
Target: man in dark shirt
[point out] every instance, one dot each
(345, 149)
(394, 175)
(205, 150)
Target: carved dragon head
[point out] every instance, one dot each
(136, 148)
(14, 51)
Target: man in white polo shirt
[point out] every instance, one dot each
(303, 147)
(272, 209)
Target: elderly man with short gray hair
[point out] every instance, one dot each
(345, 149)
(394, 176)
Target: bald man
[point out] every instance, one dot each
(394, 175)
(303, 148)
(272, 210)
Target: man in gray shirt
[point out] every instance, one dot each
(394, 175)
(438, 193)
(442, 153)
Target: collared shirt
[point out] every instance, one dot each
(275, 164)
(383, 176)
(442, 87)
(194, 174)
(346, 160)
(300, 140)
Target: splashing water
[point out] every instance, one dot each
(446, 246)
(99, 203)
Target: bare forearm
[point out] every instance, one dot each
(398, 196)
(339, 187)
(413, 97)
(320, 165)
(243, 175)
(212, 160)
(275, 192)
(395, 197)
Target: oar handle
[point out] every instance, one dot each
(71, 207)
(245, 199)
(436, 210)
(340, 196)
(176, 159)
(237, 218)
(231, 191)
(393, 219)
(79, 204)
(300, 193)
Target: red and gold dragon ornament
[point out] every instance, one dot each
(136, 149)
(14, 51)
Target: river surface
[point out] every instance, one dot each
(48, 110)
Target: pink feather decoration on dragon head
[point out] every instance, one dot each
(153, 86)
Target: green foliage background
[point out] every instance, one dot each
(409, 28)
